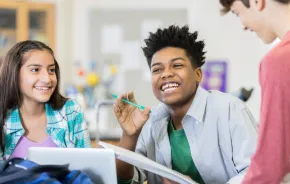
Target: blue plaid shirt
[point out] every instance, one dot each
(66, 127)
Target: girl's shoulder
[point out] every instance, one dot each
(12, 115)
(71, 106)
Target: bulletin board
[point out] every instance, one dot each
(215, 73)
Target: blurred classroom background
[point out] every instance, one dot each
(98, 46)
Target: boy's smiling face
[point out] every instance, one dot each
(174, 79)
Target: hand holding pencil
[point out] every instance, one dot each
(130, 115)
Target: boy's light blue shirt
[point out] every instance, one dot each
(66, 127)
(221, 132)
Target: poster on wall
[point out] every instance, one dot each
(112, 37)
(130, 55)
(215, 75)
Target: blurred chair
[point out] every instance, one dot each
(243, 94)
(98, 106)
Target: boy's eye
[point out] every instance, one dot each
(177, 65)
(156, 70)
(34, 69)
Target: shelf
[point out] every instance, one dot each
(8, 31)
(27, 16)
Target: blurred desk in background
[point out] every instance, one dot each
(110, 141)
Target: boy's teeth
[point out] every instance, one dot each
(170, 85)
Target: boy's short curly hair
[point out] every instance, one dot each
(179, 37)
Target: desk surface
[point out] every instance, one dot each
(114, 142)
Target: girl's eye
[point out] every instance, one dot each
(34, 69)
(52, 70)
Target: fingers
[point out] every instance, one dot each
(146, 111)
(131, 97)
(126, 96)
(117, 111)
(120, 103)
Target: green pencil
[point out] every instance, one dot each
(141, 107)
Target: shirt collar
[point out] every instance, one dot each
(54, 117)
(13, 121)
(198, 106)
(196, 109)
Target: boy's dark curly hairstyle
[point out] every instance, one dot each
(179, 37)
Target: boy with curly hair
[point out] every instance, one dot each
(206, 135)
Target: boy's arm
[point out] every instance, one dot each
(131, 120)
(271, 160)
(136, 175)
(125, 170)
(244, 133)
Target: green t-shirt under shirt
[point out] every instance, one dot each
(180, 155)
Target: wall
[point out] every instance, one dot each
(139, 4)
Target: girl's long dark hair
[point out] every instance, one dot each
(10, 96)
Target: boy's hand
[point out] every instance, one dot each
(129, 117)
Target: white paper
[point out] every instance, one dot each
(148, 26)
(130, 55)
(112, 37)
(146, 164)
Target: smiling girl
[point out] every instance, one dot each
(33, 113)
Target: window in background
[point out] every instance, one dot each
(8, 34)
(38, 26)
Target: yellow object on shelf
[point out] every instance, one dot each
(113, 69)
(93, 79)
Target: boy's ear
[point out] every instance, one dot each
(258, 4)
(198, 74)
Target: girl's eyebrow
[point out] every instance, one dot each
(38, 65)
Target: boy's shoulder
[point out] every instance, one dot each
(220, 99)
(279, 53)
(159, 111)
(218, 95)
(215, 99)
